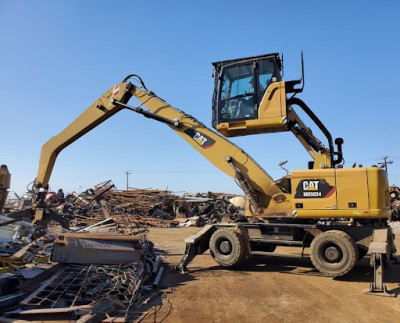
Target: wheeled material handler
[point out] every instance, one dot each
(334, 211)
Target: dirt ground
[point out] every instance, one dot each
(279, 287)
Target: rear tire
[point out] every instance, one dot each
(229, 246)
(334, 253)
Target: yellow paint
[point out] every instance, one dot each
(367, 187)
(360, 193)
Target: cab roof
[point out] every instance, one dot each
(218, 65)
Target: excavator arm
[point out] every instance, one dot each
(258, 186)
(99, 111)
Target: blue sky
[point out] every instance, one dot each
(57, 57)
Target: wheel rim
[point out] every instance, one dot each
(224, 246)
(331, 253)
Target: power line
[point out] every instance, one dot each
(127, 178)
(385, 162)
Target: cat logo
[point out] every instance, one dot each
(202, 139)
(310, 185)
(314, 188)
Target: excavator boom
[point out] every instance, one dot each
(250, 97)
(258, 186)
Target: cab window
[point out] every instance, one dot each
(237, 93)
(266, 70)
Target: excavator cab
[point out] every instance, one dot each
(249, 96)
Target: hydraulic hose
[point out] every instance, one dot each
(325, 131)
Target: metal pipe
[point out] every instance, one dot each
(156, 265)
(158, 278)
(96, 224)
(148, 269)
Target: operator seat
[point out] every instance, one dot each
(246, 109)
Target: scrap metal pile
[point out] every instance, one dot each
(102, 277)
(103, 268)
(394, 192)
(85, 274)
(138, 208)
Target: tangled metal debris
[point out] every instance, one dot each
(394, 193)
(145, 207)
(91, 276)
(103, 267)
(88, 292)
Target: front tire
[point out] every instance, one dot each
(229, 246)
(334, 253)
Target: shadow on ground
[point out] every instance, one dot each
(295, 265)
(155, 306)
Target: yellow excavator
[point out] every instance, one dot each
(339, 213)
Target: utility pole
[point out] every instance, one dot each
(127, 178)
(385, 162)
